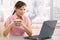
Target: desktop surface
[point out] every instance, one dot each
(22, 38)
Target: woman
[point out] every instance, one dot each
(25, 24)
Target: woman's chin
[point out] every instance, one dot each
(21, 15)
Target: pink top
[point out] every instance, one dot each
(17, 31)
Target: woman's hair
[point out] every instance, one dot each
(18, 5)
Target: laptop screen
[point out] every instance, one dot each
(47, 28)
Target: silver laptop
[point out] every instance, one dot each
(46, 31)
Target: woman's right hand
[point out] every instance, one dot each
(7, 29)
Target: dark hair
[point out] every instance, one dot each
(18, 5)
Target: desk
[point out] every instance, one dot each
(22, 38)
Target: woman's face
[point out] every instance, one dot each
(20, 11)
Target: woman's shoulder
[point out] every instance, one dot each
(10, 17)
(25, 16)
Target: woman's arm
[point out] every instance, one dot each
(7, 29)
(28, 29)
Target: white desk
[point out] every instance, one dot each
(21, 38)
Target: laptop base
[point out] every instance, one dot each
(46, 38)
(35, 37)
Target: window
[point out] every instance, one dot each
(37, 10)
(56, 10)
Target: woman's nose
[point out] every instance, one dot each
(23, 11)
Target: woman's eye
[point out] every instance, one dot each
(20, 9)
(24, 9)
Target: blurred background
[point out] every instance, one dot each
(40, 10)
(37, 10)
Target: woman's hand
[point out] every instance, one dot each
(27, 28)
(22, 23)
(7, 29)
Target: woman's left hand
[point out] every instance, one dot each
(27, 28)
(22, 23)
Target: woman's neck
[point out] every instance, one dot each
(20, 17)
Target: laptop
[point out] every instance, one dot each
(46, 30)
